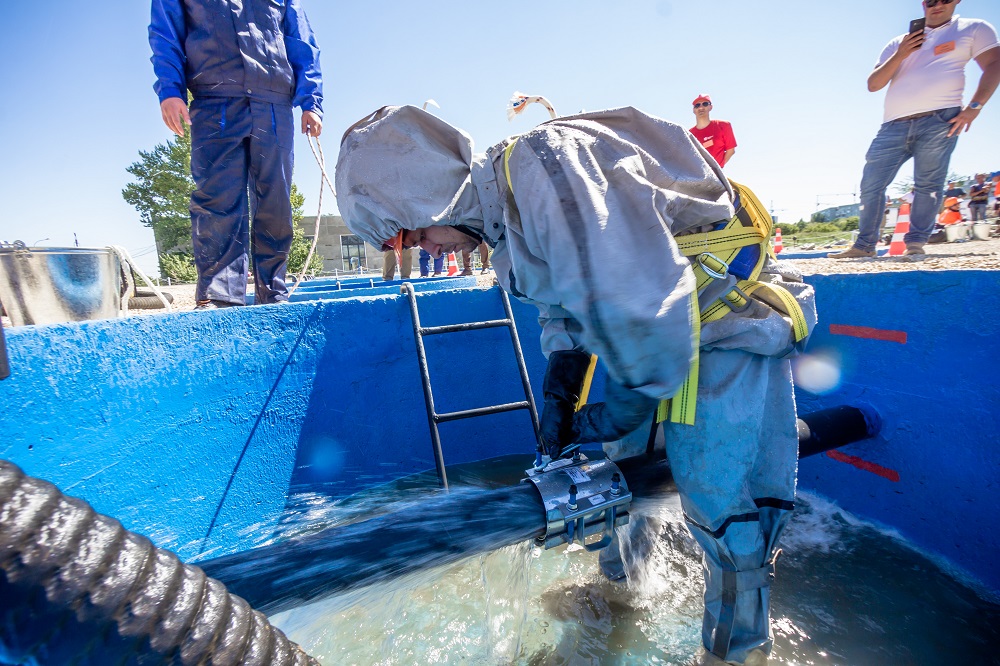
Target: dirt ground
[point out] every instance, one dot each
(981, 255)
(969, 255)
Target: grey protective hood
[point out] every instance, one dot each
(402, 167)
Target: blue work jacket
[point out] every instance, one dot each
(261, 49)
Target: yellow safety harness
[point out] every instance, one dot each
(711, 254)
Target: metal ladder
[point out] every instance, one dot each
(433, 418)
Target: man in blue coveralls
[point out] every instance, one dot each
(246, 64)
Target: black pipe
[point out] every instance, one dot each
(4, 359)
(435, 532)
(445, 530)
(76, 587)
(835, 427)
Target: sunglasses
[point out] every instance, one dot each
(710, 104)
(934, 3)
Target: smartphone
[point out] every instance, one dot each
(917, 25)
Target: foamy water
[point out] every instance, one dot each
(846, 593)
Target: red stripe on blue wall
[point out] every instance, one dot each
(869, 333)
(865, 465)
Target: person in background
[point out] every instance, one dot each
(245, 71)
(425, 261)
(954, 190)
(484, 255)
(952, 213)
(924, 115)
(979, 197)
(995, 176)
(568, 226)
(389, 264)
(715, 136)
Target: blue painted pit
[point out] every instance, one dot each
(194, 428)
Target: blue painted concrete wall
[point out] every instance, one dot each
(349, 288)
(939, 395)
(193, 428)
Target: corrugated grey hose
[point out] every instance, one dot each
(76, 587)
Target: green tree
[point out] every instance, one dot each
(178, 266)
(161, 194)
(300, 244)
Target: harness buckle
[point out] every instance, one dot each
(719, 270)
(736, 299)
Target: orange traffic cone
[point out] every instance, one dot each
(898, 246)
(777, 241)
(452, 264)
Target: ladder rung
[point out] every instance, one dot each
(470, 326)
(481, 411)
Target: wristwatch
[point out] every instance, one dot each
(975, 106)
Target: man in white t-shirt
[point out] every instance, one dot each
(925, 72)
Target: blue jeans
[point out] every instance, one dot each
(978, 211)
(924, 139)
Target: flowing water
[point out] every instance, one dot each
(846, 593)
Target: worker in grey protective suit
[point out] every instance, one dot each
(583, 213)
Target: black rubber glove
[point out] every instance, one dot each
(622, 411)
(561, 388)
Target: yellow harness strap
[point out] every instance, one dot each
(713, 251)
(588, 379)
(506, 162)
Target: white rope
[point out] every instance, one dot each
(519, 102)
(317, 152)
(128, 266)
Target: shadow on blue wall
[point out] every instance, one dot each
(366, 419)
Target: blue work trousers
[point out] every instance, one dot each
(924, 139)
(425, 260)
(241, 162)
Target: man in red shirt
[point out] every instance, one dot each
(716, 136)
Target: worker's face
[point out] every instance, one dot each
(440, 240)
(981, 178)
(940, 13)
(702, 109)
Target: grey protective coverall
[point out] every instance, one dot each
(584, 228)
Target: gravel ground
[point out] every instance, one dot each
(969, 255)
(963, 256)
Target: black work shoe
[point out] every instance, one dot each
(215, 305)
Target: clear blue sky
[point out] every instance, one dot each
(78, 103)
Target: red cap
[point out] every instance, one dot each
(702, 98)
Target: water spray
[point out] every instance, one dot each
(568, 501)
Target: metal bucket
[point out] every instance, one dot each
(49, 285)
